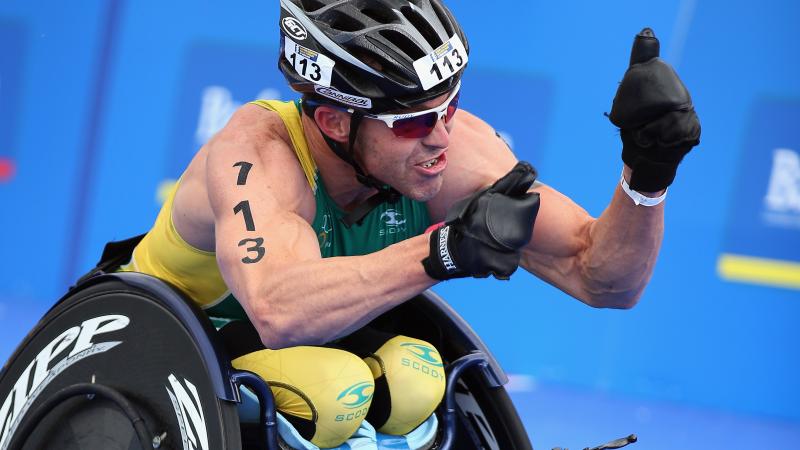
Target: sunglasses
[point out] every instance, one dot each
(416, 124)
(421, 123)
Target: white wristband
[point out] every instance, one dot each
(640, 199)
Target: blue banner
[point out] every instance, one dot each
(763, 237)
(517, 105)
(217, 80)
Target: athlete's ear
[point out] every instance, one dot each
(333, 122)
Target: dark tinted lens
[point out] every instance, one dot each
(415, 127)
(452, 108)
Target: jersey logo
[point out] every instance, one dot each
(393, 222)
(325, 232)
(392, 218)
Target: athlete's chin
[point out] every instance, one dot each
(426, 189)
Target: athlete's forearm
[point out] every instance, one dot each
(623, 245)
(314, 302)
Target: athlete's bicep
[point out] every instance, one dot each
(256, 228)
(560, 233)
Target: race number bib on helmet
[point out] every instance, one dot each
(442, 63)
(311, 65)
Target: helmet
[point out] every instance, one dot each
(371, 55)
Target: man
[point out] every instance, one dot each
(277, 219)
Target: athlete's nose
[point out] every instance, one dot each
(439, 137)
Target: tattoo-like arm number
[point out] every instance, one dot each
(244, 169)
(258, 248)
(244, 208)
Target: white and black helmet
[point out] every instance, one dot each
(371, 55)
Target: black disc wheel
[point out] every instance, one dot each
(137, 337)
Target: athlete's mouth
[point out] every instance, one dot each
(428, 164)
(433, 162)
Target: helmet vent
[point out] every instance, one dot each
(403, 43)
(444, 18)
(380, 15)
(344, 22)
(311, 5)
(356, 79)
(422, 26)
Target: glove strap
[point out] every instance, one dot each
(441, 261)
(639, 199)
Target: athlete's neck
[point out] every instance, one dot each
(339, 177)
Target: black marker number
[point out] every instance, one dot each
(258, 248)
(244, 169)
(244, 207)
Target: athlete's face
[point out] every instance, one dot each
(413, 166)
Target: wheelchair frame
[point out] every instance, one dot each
(476, 412)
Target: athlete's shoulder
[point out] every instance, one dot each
(471, 122)
(254, 124)
(255, 132)
(259, 137)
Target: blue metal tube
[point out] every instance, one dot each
(266, 404)
(455, 369)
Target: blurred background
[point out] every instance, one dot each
(102, 104)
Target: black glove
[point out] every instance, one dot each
(483, 233)
(654, 113)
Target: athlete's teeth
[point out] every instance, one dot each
(430, 163)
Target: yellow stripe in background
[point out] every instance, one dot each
(771, 272)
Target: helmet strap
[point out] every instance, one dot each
(385, 194)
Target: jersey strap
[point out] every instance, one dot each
(290, 114)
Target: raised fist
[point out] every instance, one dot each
(655, 115)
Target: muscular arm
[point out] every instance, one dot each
(604, 262)
(291, 294)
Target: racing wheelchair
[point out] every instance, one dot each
(125, 361)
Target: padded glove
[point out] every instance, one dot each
(655, 115)
(484, 232)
